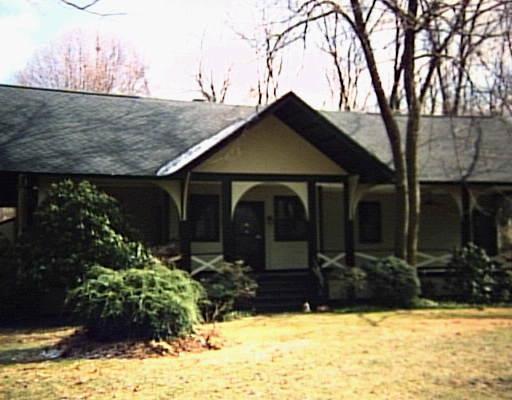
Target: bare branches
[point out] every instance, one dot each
(270, 61)
(78, 63)
(88, 7)
(210, 91)
(347, 62)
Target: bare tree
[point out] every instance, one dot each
(270, 62)
(77, 62)
(210, 90)
(468, 69)
(412, 67)
(347, 60)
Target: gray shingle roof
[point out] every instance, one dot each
(62, 132)
(50, 131)
(450, 148)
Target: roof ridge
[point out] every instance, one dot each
(422, 116)
(122, 96)
(82, 92)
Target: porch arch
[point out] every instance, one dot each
(239, 189)
(278, 253)
(151, 209)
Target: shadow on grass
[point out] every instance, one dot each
(23, 355)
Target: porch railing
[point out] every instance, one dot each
(335, 258)
(201, 262)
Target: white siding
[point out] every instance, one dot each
(440, 226)
(333, 220)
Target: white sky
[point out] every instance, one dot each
(172, 36)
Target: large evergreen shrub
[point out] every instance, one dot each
(149, 303)
(76, 226)
(225, 287)
(393, 282)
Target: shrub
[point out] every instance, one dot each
(150, 303)
(8, 305)
(474, 274)
(229, 284)
(350, 280)
(502, 291)
(393, 282)
(76, 226)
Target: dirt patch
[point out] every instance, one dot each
(79, 345)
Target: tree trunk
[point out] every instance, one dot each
(414, 196)
(413, 124)
(393, 132)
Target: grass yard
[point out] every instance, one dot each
(438, 354)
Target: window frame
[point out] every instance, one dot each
(280, 236)
(363, 236)
(199, 201)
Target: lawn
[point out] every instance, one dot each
(429, 354)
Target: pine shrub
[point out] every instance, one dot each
(149, 303)
(393, 282)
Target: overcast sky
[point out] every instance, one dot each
(172, 36)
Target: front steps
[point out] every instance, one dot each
(280, 291)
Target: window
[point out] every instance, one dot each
(290, 219)
(369, 215)
(204, 218)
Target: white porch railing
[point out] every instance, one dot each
(331, 261)
(205, 262)
(335, 258)
(427, 260)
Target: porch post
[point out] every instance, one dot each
(467, 218)
(26, 203)
(350, 258)
(185, 244)
(227, 225)
(320, 216)
(184, 227)
(312, 224)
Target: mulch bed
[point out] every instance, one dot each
(79, 345)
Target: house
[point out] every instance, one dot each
(285, 187)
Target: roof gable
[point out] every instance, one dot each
(308, 123)
(270, 147)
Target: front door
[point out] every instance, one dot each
(249, 231)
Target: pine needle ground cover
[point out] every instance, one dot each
(445, 354)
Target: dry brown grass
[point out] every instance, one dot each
(458, 354)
